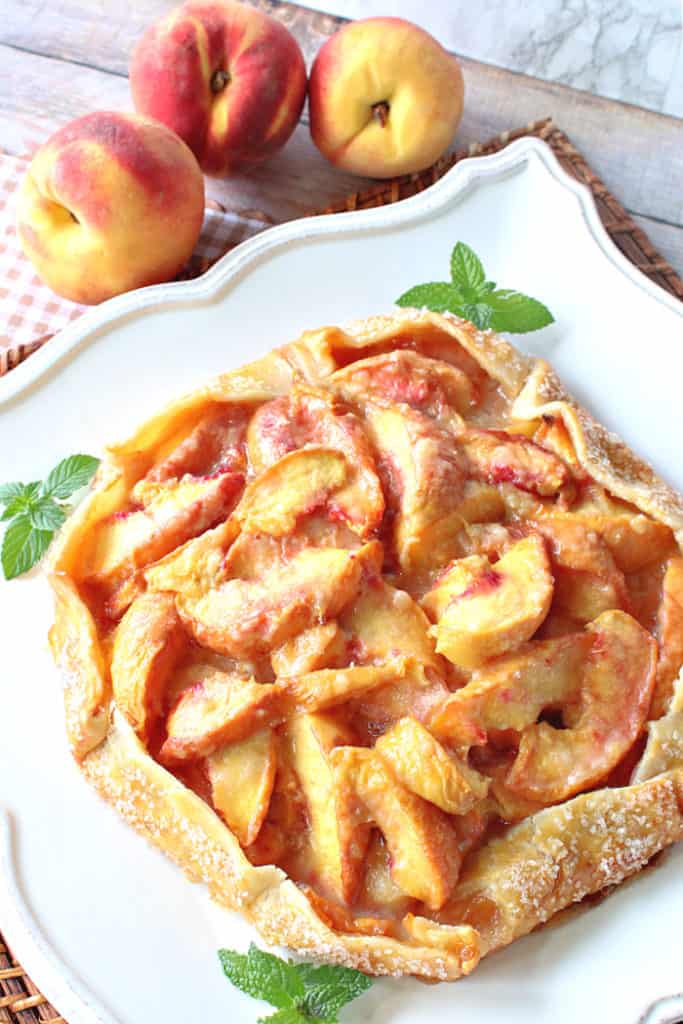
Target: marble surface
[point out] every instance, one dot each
(629, 50)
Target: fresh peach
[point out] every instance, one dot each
(111, 202)
(385, 98)
(228, 79)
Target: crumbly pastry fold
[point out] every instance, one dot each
(507, 886)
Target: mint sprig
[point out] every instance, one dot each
(301, 993)
(33, 512)
(471, 296)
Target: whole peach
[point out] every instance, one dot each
(385, 98)
(110, 202)
(227, 78)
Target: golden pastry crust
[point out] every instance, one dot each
(510, 885)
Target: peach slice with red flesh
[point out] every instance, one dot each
(496, 457)
(587, 580)
(423, 477)
(384, 622)
(217, 444)
(130, 540)
(148, 644)
(326, 688)
(245, 617)
(339, 829)
(426, 768)
(241, 776)
(483, 610)
(420, 837)
(616, 688)
(670, 635)
(221, 708)
(512, 691)
(403, 377)
(296, 485)
(309, 417)
(320, 646)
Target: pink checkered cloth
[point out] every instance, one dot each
(30, 313)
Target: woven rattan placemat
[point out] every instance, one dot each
(20, 1000)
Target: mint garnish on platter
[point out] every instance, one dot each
(34, 512)
(469, 295)
(301, 993)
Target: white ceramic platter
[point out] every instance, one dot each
(105, 924)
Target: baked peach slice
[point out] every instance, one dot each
(384, 622)
(326, 688)
(424, 479)
(339, 829)
(297, 484)
(379, 892)
(216, 444)
(148, 644)
(483, 610)
(408, 378)
(220, 708)
(616, 688)
(173, 513)
(320, 646)
(670, 634)
(496, 457)
(422, 842)
(419, 692)
(311, 417)
(426, 768)
(241, 776)
(343, 919)
(197, 565)
(244, 617)
(633, 539)
(510, 692)
(587, 579)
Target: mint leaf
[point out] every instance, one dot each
(479, 314)
(302, 993)
(34, 514)
(472, 297)
(46, 514)
(263, 976)
(516, 313)
(22, 546)
(10, 492)
(15, 507)
(328, 988)
(70, 475)
(439, 296)
(290, 1015)
(467, 271)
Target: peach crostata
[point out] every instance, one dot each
(380, 638)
